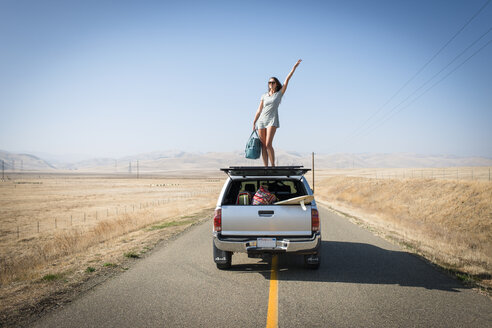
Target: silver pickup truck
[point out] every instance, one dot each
(259, 230)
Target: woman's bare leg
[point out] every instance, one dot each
(270, 133)
(262, 133)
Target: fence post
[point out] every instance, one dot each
(38, 226)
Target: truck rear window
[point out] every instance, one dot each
(282, 189)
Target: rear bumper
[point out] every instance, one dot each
(306, 245)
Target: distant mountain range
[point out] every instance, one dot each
(21, 162)
(179, 160)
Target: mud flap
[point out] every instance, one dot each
(312, 259)
(220, 256)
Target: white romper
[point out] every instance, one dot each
(269, 114)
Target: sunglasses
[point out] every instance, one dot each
(272, 82)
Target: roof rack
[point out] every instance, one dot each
(265, 171)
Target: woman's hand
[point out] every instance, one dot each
(297, 64)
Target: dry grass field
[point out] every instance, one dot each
(448, 221)
(59, 231)
(56, 231)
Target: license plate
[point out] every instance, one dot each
(266, 242)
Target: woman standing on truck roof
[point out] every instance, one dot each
(266, 117)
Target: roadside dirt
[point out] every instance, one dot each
(73, 276)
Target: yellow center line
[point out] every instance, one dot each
(272, 315)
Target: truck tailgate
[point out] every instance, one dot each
(266, 220)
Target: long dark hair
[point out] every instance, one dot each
(278, 84)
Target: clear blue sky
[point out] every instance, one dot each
(114, 78)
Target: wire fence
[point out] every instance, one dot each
(181, 193)
(459, 174)
(89, 218)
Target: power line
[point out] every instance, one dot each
(353, 134)
(442, 79)
(392, 112)
(428, 62)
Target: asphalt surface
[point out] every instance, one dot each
(363, 281)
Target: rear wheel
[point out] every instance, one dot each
(224, 266)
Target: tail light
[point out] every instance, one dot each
(218, 220)
(314, 220)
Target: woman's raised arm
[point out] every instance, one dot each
(284, 87)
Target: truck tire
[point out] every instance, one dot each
(222, 259)
(312, 261)
(224, 266)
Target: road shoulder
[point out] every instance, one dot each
(108, 261)
(399, 240)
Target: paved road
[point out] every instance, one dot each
(363, 281)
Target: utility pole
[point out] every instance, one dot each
(312, 160)
(130, 167)
(3, 170)
(138, 170)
